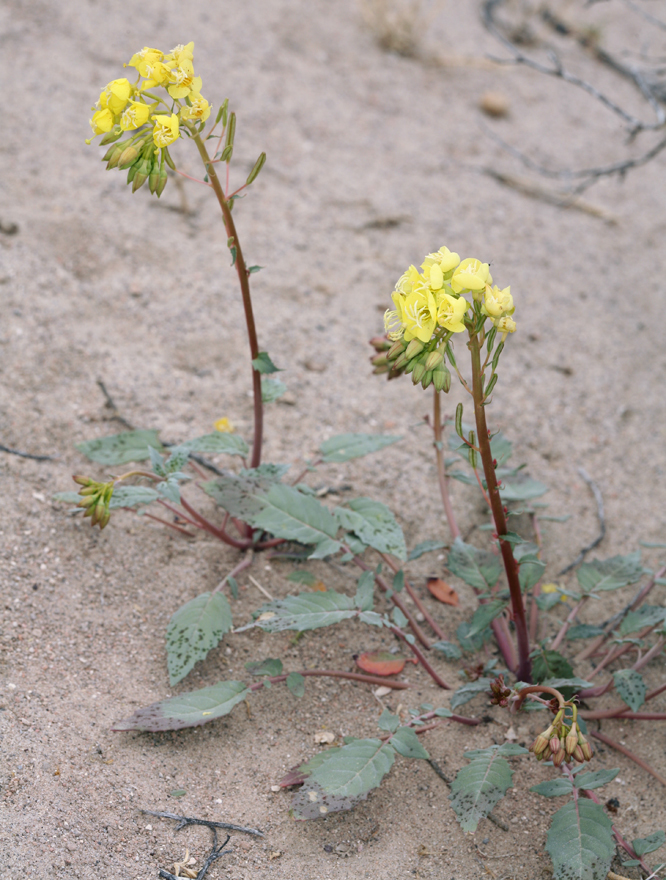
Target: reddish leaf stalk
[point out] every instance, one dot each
(524, 671)
(422, 660)
(432, 623)
(336, 673)
(625, 751)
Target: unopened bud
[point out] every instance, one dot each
(418, 373)
(379, 360)
(540, 744)
(427, 379)
(162, 182)
(559, 757)
(380, 343)
(396, 349)
(415, 347)
(383, 368)
(410, 364)
(93, 490)
(433, 360)
(89, 500)
(571, 742)
(154, 176)
(578, 754)
(401, 361)
(104, 520)
(554, 744)
(111, 136)
(98, 514)
(82, 481)
(441, 379)
(128, 156)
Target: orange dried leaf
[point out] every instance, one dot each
(380, 663)
(442, 591)
(319, 587)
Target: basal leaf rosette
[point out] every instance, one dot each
(156, 120)
(447, 296)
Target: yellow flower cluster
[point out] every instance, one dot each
(125, 106)
(435, 297)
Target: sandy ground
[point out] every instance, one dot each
(374, 160)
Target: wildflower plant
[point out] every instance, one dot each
(436, 308)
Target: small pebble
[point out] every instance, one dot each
(494, 104)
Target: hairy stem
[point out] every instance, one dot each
(441, 467)
(524, 672)
(243, 278)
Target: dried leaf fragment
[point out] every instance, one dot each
(442, 591)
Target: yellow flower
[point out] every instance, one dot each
(102, 121)
(505, 325)
(183, 80)
(115, 96)
(451, 311)
(199, 109)
(471, 274)
(225, 425)
(158, 75)
(433, 276)
(444, 258)
(145, 59)
(552, 588)
(407, 281)
(497, 303)
(419, 311)
(166, 130)
(181, 53)
(134, 116)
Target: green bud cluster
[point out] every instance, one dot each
(424, 363)
(562, 742)
(142, 160)
(95, 499)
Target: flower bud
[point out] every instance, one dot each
(93, 490)
(382, 368)
(396, 350)
(128, 156)
(559, 757)
(154, 176)
(578, 755)
(554, 744)
(82, 481)
(104, 520)
(162, 182)
(415, 347)
(410, 364)
(433, 360)
(441, 379)
(427, 379)
(571, 741)
(111, 136)
(379, 360)
(380, 343)
(418, 373)
(89, 500)
(401, 361)
(540, 744)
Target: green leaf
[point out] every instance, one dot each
(501, 448)
(272, 389)
(521, 488)
(580, 842)
(177, 459)
(424, 547)
(479, 786)
(193, 630)
(187, 710)
(342, 777)
(644, 845)
(553, 788)
(157, 462)
(646, 615)
(120, 448)
(470, 690)
(296, 684)
(269, 666)
(480, 569)
(303, 577)
(475, 643)
(546, 601)
(252, 269)
(344, 447)
(574, 682)
(584, 631)
(364, 591)
(529, 572)
(590, 781)
(306, 611)
(398, 581)
(389, 722)
(550, 664)
(233, 586)
(242, 495)
(610, 574)
(219, 442)
(263, 364)
(374, 524)
(450, 651)
(630, 686)
(484, 616)
(288, 514)
(406, 743)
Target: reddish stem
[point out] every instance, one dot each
(209, 527)
(335, 673)
(621, 841)
(621, 712)
(559, 638)
(625, 751)
(432, 623)
(524, 672)
(505, 643)
(170, 525)
(420, 657)
(618, 651)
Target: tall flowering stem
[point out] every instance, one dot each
(524, 671)
(243, 278)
